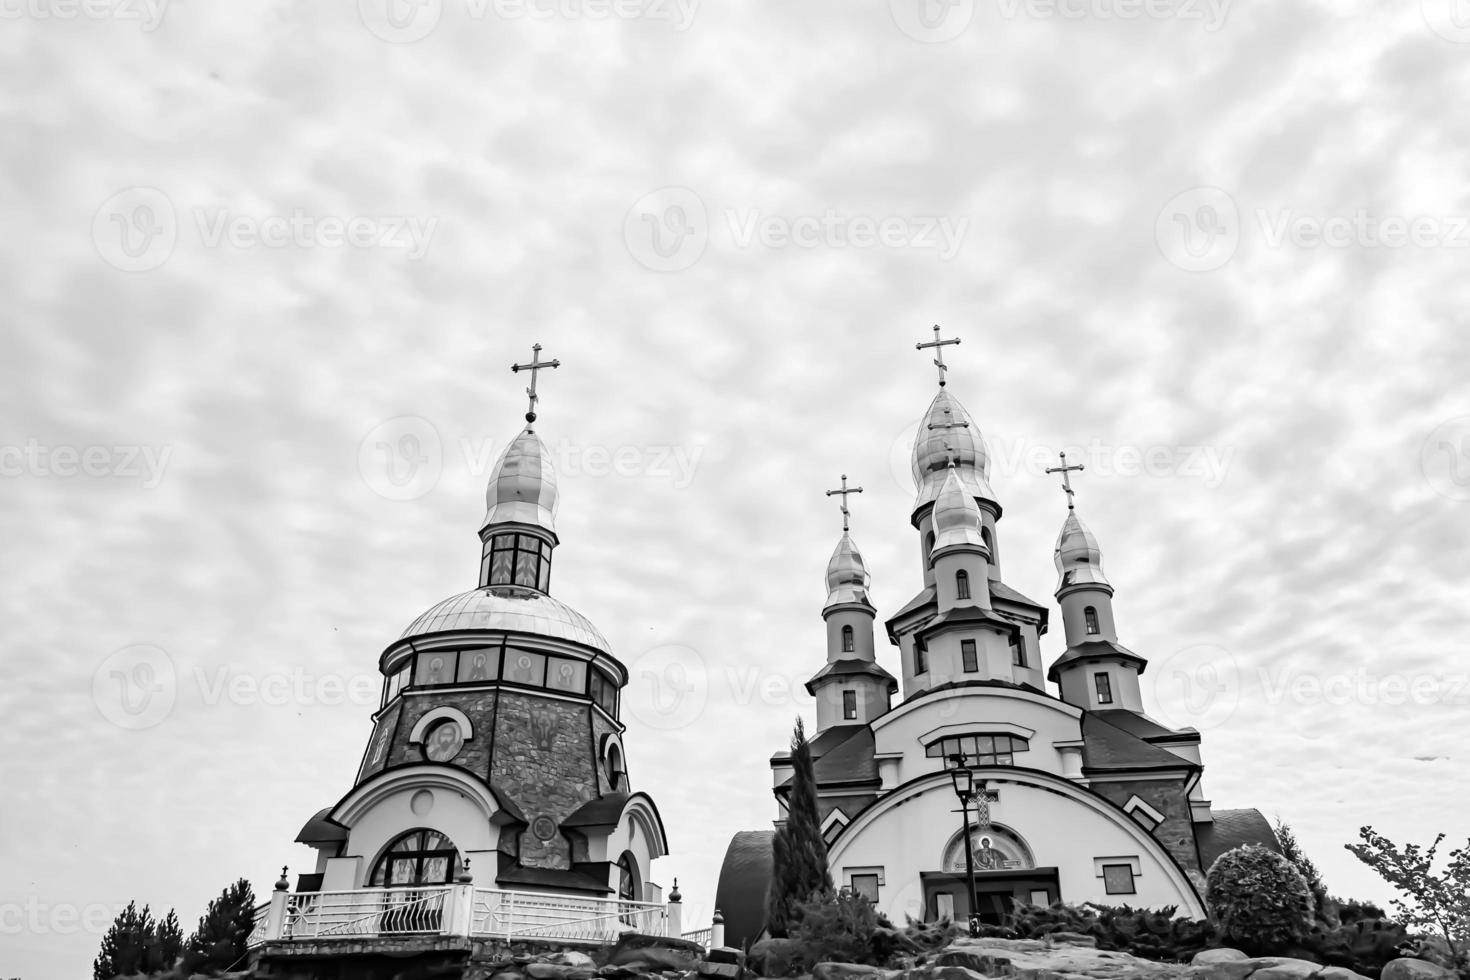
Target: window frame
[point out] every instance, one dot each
(849, 640)
(866, 876)
(849, 705)
(1102, 687)
(921, 658)
(1018, 651)
(962, 584)
(1090, 621)
(1108, 888)
(969, 657)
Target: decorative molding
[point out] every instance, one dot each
(438, 714)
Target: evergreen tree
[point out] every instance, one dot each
(1292, 851)
(137, 943)
(170, 941)
(800, 869)
(224, 929)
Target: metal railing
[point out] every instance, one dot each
(701, 936)
(258, 921)
(365, 912)
(528, 915)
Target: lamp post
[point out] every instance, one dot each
(964, 788)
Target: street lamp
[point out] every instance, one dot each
(964, 788)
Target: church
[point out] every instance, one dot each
(1075, 793)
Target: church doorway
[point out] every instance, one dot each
(996, 893)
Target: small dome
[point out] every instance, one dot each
(1078, 557)
(522, 488)
(936, 448)
(847, 576)
(512, 608)
(956, 515)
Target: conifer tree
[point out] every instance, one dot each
(1293, 852)
(799, 871)
(224, 929)
(137, 943)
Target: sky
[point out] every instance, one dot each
(267, 266)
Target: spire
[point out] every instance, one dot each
(956, 515)
(847, 575)
(947, 435)
(1078, 557)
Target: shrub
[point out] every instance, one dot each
(1363, 946)
(1149, 933)
(1260, 903)
(836, 927)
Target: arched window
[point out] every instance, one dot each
(847, 643)
(1089, 615)
(614, 767)
(419, 857)
(962, 584)
(629, 887)
(928, 546)
(989, 543)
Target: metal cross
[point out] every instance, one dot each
(938, 346)
(947, 425)
(844, 492)
(1064, 469)
(536, 365)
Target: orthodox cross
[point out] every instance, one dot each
(536, 365)
(938, 346)
(844, 492)
(1065, 470)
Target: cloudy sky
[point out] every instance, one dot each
(267, 266)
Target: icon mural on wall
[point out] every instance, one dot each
(993, 850)
(545, 726)
(444, 742)
(475, 665)
(377, 756)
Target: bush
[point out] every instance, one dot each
(1260, 903)
(836, 927)
(1363, 946)
(1149, 933)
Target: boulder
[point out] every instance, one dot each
(1262, 967)
(985, 964)
(652, 953)
(556, 971)
(722, 963)
(1075, 938)
(939, 971)
(1223, 954)
(1408, 968)
(774, 957)
(850, 971)
(1337, 973)
(568, 957)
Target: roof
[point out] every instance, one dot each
(744, 878)
(320, 829)
(1136, 724)
(1232, 829)
(999, 590)
(1092, 649)
(971, 614)
(512, 609)
(551, 878)
(605, 811)
(952, 685)
(1108, 747)
(845, 760)
(847, 668)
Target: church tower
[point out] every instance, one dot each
(851, 689)
(1094, 672)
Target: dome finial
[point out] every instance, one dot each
(844, 492)
(938, 346)
(1065, 470)
(536, 365)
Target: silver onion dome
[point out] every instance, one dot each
(509, 608)
(522, 487)
(847, 576)
(948, 434)
(956, 515)
(1078, 557)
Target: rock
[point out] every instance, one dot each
(1408, 968)
(655, 952)
(1294, 970)
(1337, 973)
(774, 957)
(942, 972)
(849, 971)
(556, 971)
(1224, 954)
(982, 963)
(568, 958)
(1075, 938)
(1262, 967)
(624, 972)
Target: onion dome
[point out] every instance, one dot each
(522, 488)
(847, 576)
(1078, 557)
(956, 515)
(947, 434)
(511, 609)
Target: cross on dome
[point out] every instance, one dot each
(1066, 470)
(843, 493)
(938, 346)
(536, 365)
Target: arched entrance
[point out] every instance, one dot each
(1005, 875)
(419, 857)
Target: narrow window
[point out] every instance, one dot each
(1104, 688)
(1018, 650)
(989, 544)
(1118, 879)
(847, 639)
(928, 546)
(962, 584)
(968, 656)
(1089, 615)
(849, 705)
(921, 658)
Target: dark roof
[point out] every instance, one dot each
(823, 742)
(551, 878)
(999, 590)
(918, 601)
(605, 811)
(846, 668)
(320, 830)
(848, 761)
(971, 614)
(1107, 747)
(1134, 723)
(744, 878)
(1232, 829)
(1095, 648)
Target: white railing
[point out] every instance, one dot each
(701, 936)
(366, 912)
(258, 921)
(527, 915)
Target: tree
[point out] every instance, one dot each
(1292, 851)
(799, 871)
(1437, 900)
(1259, 901)
(224, 929)
(137, 943)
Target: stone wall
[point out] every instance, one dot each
(1167, 796)
(600, 727)
(545, 760)
(478, 707)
